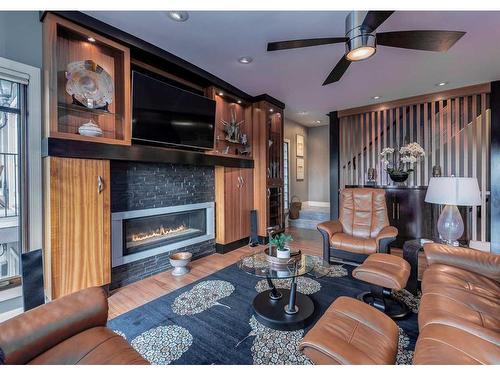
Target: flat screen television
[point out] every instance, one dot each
(165, 115)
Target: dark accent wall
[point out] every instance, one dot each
(137, 186)
(494, 168)
(140, 269)
(334, 165)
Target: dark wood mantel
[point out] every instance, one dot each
(91, 150)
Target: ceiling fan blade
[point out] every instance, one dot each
(300, 43)
(375, 18)
(425, 40)
(338, 71)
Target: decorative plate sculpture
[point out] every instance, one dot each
(89, 84)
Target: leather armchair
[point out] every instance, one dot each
(362, 228)
(70, 330)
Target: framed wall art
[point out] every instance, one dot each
(300, 145)
(300, 169)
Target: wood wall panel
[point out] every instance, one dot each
(453, 130)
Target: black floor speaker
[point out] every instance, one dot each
(32, 273)
(254, 238)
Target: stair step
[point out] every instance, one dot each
(310, 214)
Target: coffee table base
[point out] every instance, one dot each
(272, 312)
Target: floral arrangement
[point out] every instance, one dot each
(408, 156)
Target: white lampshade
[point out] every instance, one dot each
(457, 191)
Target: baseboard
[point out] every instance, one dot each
(225, 248)
(316, 204)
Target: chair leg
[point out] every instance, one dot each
(382, 299)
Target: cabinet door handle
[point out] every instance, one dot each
(269, 193)
(398, 211)
(242, 181)
(393, 210)
(100, 185)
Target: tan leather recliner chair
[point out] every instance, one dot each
(362, 228)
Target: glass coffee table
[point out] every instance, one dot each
(279, 308)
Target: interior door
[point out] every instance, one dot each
(80, 224)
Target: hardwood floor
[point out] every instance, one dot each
(134, 295)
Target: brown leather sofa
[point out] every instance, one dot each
(70, 330)
(459, 315)
(362, 228)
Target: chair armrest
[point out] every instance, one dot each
(28, 335)
(385, 237)
(330, 227)
(468, 259)
(387, 232)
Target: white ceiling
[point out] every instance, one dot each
(215, 40)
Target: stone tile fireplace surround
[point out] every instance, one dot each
(139, 187)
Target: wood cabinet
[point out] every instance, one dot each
(234, 201)
(268, 171)
(77, 225)
(408, 211)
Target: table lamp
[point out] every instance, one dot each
(452, 192)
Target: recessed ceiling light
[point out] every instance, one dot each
(317, 122)
(239, 102)
(441, 83)
(376, 97)
(178, 16)
(90, 39)
(271, 110)
(303, 113)
(245, 60)
(220, 93)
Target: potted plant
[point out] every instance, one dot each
(402, 160)
(280, 241)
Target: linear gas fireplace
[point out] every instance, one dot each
(143, 233)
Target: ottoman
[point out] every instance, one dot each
(385, 273)
(351, 333)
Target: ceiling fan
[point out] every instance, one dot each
(361, 40)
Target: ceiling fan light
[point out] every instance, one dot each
(361, 53)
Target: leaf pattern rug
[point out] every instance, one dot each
(211, 321)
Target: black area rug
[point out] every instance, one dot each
(211, 321)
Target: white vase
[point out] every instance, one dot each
(285, 253)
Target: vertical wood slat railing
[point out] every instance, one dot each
(454, 132)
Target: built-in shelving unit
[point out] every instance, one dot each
(268, 172)
(65, 43)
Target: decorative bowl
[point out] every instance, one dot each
(277, 262)
(180, 261)
(90, 129)
(399, 176)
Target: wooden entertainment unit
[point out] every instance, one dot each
(76, 168)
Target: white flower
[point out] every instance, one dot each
(408, 159)
(387, 150)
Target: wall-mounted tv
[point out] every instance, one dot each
(165, 115)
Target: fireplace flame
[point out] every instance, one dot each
(160, 232)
